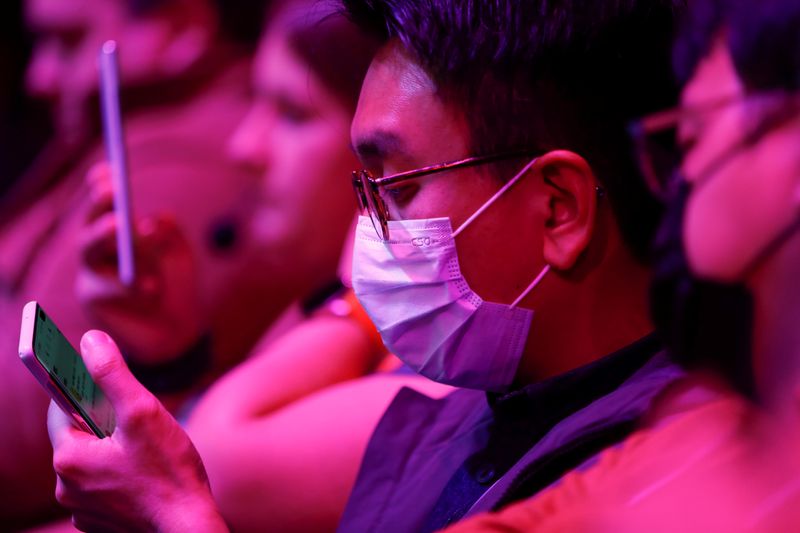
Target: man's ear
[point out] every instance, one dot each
(571, 207)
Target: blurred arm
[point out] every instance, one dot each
(282, 435)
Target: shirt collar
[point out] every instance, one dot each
(565, 393)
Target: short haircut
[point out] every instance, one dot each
(545, 75)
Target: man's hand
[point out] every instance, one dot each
(157, 318)
(146, 476)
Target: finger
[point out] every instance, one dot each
(60, 426)
(98, 243)
(99, 252)
(108, 369)
(99, 172)
(101, 193)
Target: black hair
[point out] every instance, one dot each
(547, 74)
(705, 325)
(763, 37)
(764, 41)
(699, 26)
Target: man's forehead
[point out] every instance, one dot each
(395, 59)
(393, 81)
(399, 102)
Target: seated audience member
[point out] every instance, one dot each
(545, 102)
(183, 92)
(716, 461)
(549, 219)
(294, 141)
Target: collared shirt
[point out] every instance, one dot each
(430, 461)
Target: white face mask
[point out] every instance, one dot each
(412, 288)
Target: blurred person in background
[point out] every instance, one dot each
(722, 452)
(183, 94)
(277, 455)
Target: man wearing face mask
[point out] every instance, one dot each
(511, 268)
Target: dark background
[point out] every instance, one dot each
(24, 124)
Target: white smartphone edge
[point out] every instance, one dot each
(29, 359)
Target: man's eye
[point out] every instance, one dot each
(401, 194)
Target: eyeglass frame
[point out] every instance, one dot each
(665, 120)
(363, 181)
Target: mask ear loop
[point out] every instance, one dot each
(533, 284)
(497, 195)
(486, 206)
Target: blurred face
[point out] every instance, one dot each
(68, 36)
(737, 207)
(296, 137)
(401, 124)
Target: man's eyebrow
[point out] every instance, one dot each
(379, 145)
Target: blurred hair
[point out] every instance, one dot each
(242, 20)
(696, 32)
(140, 7)
(335, 49)
(239, 20)
(545, 75)
(705, 325)
(763, 37)
(708, 325)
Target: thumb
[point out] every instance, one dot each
(108, 369)
(101, 194)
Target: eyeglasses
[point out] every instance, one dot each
(660, 151)
(367, 187)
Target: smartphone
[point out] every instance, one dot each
(60, 370)
(117, 158)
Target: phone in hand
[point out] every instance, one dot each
(60, 370)
(117, 158)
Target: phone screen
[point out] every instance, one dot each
(67, 369)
